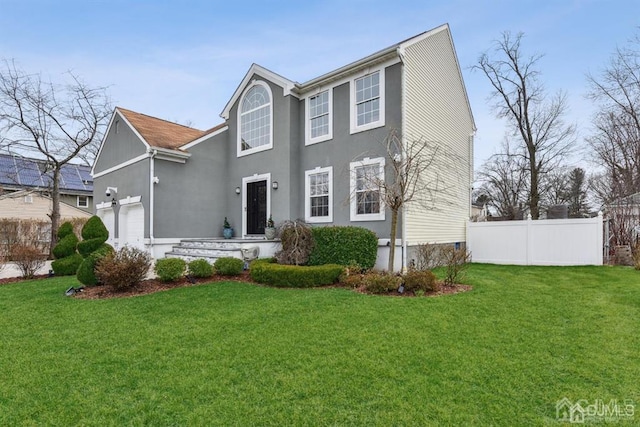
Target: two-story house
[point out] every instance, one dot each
(294, 150)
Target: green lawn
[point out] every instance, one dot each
(237, 354)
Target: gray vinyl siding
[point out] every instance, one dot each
(190, 199)
(345, 148)
(437, 110)
(119, 147)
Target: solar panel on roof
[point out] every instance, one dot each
(72, 181)
(29, 173)
(8, 171)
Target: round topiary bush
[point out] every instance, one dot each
(346, 246)
(92, 248)
(229, 266)
(170, 269)
(200, 268)
(67, 266)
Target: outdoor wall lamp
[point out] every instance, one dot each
(238, 190)
(274, 185)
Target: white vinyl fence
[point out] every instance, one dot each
(540, 242)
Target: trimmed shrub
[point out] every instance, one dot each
(381, 283)
(416, 280)
(170, 269)
(29, 259)
(94, 234)
(297, 242)
(123, 269)
(229, 266)
(67, 259)
(200, 268)
(86, 272)
(67, 266)
(344, 246)
(295, 276)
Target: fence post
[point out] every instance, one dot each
(600, 238)
(529, 242)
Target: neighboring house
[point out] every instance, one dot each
(19, 173)
(34, 205)
(293, 150)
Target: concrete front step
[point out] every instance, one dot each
(212, 249)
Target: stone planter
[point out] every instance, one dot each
(269, 233)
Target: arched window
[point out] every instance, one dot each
(255, 120)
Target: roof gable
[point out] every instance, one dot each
(286, 84)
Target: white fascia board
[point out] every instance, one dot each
(122, 165)
(170, 155)
(287, 85)
(204, 138)
(130, 200)
(104, 138)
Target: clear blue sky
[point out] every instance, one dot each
(182, 60)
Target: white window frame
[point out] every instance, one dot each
(80, 205)
(307, 195)
(352, 102)
(240, 152)
(310, 140)
(354, 216)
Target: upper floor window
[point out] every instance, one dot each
(367, 101)
(82, 202)
(366, 192)
(255, 120)
(319, 195)
(319, 120)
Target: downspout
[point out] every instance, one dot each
(403, 109)
(471, 137)
(152, 174)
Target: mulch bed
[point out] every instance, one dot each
(153, 285)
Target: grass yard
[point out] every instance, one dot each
(238, 354)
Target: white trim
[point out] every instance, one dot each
(307, 119)
(307, 195)
(269, 146)
(78, 205)
(353, 216)
(121, 165)
(286, 84)
(170, 155)
(204, 138)
(129, 200)
(246, 180)
(103, 205)
(354, 128)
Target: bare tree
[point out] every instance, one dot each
(503, 180)
(520, 98)
(616, 137)
(57, 122)
(411, 175)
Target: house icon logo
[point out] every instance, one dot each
(567, 411)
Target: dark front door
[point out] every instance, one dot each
(256, 207)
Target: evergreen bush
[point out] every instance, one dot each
(294, 276)
(345, 246)
(170, 269)
(229, 266)
(86, 272)
(200, 268)
(67, 259)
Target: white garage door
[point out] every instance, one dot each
(109, 220)
(131, 226)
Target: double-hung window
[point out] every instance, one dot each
(319, 195)
(319, 120)
(367, 101)
(366, 190)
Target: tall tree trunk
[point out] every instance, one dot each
(392, 239)
(534, 197)
(55, 208)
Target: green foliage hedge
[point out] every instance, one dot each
(94, 229)
(86, 247)
(170, 269)
(344, 246)
(294, 276)
(229, 266)
(200, 268)
(86, 272)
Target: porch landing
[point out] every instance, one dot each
(212, 249)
